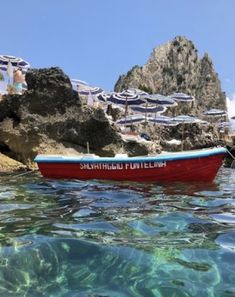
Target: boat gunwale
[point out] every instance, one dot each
(175, 156)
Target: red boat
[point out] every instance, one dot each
(187, 166)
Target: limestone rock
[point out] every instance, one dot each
(10, 165)
(50, 116)
(176, 67)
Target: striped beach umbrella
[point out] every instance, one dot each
(77, 83)
(90, 90)
(125, 99)
(148, 109)
(126, 94)
(5, 69)
(181, 97)
(185, 119)
(215, 113)
(83, 88)
(131, 119)
(162, 121)
(161, 100)
(15, 61)
(135, 91)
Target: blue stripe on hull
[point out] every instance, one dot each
(160, 157)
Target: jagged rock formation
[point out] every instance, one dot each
(176, 67)
(49, 118)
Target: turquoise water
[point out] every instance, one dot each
(100, 239)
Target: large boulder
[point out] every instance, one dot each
(50, 117)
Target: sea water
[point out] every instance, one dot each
(99, 238)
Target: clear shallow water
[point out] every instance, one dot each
(73, 238)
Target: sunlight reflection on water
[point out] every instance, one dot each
(73, 238)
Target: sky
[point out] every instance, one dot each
(98, 40)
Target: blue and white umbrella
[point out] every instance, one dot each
(215, 113)
(182, 97)
(131, 119)
(185, 119)
(15, 61)
(77, 83)
(126, 94)
(149, 109)
(162, 121)
(90, 90)
(161, 100)
(126, 99)
(134, 91)
(84, 89)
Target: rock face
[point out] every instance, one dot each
(49, 118)
(9, 165)
(190, 136)
(176, 67)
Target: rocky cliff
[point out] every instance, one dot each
(49, 118)
(176, 67)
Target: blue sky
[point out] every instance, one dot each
(97, 40)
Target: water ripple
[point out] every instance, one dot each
(74, 238)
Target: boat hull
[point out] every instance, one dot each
(175, 167)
